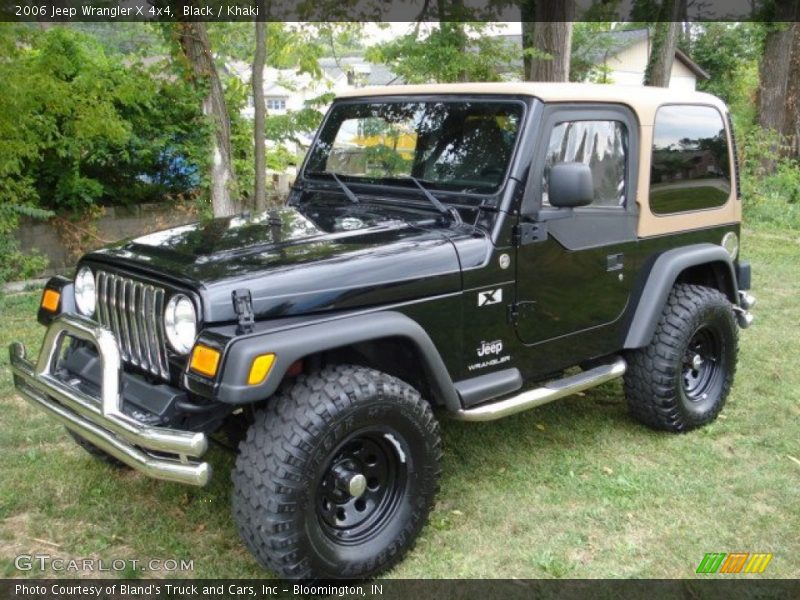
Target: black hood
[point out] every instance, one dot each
(297, 260)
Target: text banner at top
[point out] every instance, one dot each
(66, 11)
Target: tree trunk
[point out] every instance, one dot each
(552, 33)
(527, 11)
(451, 15)
(196, 48)
(664, 44)
(774, 76)
(684, 27)
(791, 126)
(260, 116)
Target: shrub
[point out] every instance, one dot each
(15, 264)
(770, 181)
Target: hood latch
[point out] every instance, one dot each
(243, 305)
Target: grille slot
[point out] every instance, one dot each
(133, 311)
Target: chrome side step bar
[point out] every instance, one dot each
(542, 395)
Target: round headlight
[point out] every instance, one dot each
(180, 323)
(730, 241)
(85, 292)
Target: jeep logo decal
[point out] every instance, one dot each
(487, 348)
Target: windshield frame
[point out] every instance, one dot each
(392, 183)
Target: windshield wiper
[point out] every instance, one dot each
(347, 191)
(448, 211)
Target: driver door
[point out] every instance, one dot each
(574, 275)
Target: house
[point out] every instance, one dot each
(286, 90)
(622, 58)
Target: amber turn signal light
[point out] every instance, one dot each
(50, 300)
(260, 368)
(205, 360)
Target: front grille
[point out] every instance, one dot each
(134, 311)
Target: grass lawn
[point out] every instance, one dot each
(572, 489)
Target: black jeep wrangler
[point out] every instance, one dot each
(470, 250)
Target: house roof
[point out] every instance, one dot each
(376, 74)
(613, 42)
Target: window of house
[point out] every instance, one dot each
(603, 145)
(276, 104)
(690, 168)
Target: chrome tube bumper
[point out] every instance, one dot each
(101, 421)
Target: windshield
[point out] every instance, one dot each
(459, 146)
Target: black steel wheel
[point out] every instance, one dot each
(681, 380)
(337, 475)
(361, 488)
(702, 373)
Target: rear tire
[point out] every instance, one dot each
(337, 475)
(96, 452)
(681, 380)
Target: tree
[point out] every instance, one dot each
(551, 34)
(730, 53)
(82, 127)
(791, 127)
(591, 39)
(450, 13)
(664, 44)
(527, 13)
(259, 104)
(774, 68)
(196, 49)
(437, 56)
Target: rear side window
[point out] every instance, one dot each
(603, 145)
(690, 168)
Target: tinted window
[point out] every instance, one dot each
(690, 168)
(603, 145)
(448, 145)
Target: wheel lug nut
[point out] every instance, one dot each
(357, 485)
(350, 481)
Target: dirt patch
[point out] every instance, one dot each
(17, 539)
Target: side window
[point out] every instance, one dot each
(603, 145)
(690, 169)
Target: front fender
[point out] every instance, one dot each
(294, 343)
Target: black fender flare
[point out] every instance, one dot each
(292, 344)
(660, 280)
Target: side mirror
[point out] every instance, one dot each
(571, 185)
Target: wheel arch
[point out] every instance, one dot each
(700, 264)
(349, 339)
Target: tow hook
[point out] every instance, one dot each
(743, 316)
(746, 300)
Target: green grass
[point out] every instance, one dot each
(572, 489)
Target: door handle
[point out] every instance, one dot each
(615, 262)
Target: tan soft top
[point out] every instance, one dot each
(643, 100)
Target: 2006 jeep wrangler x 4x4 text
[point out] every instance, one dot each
(445, 248)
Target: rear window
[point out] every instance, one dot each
(690, 168)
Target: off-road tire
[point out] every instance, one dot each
(284, 465)
(662, 387)
(95, 451)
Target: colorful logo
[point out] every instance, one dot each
(735, 562)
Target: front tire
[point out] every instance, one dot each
(681, 380)
(337, 475)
